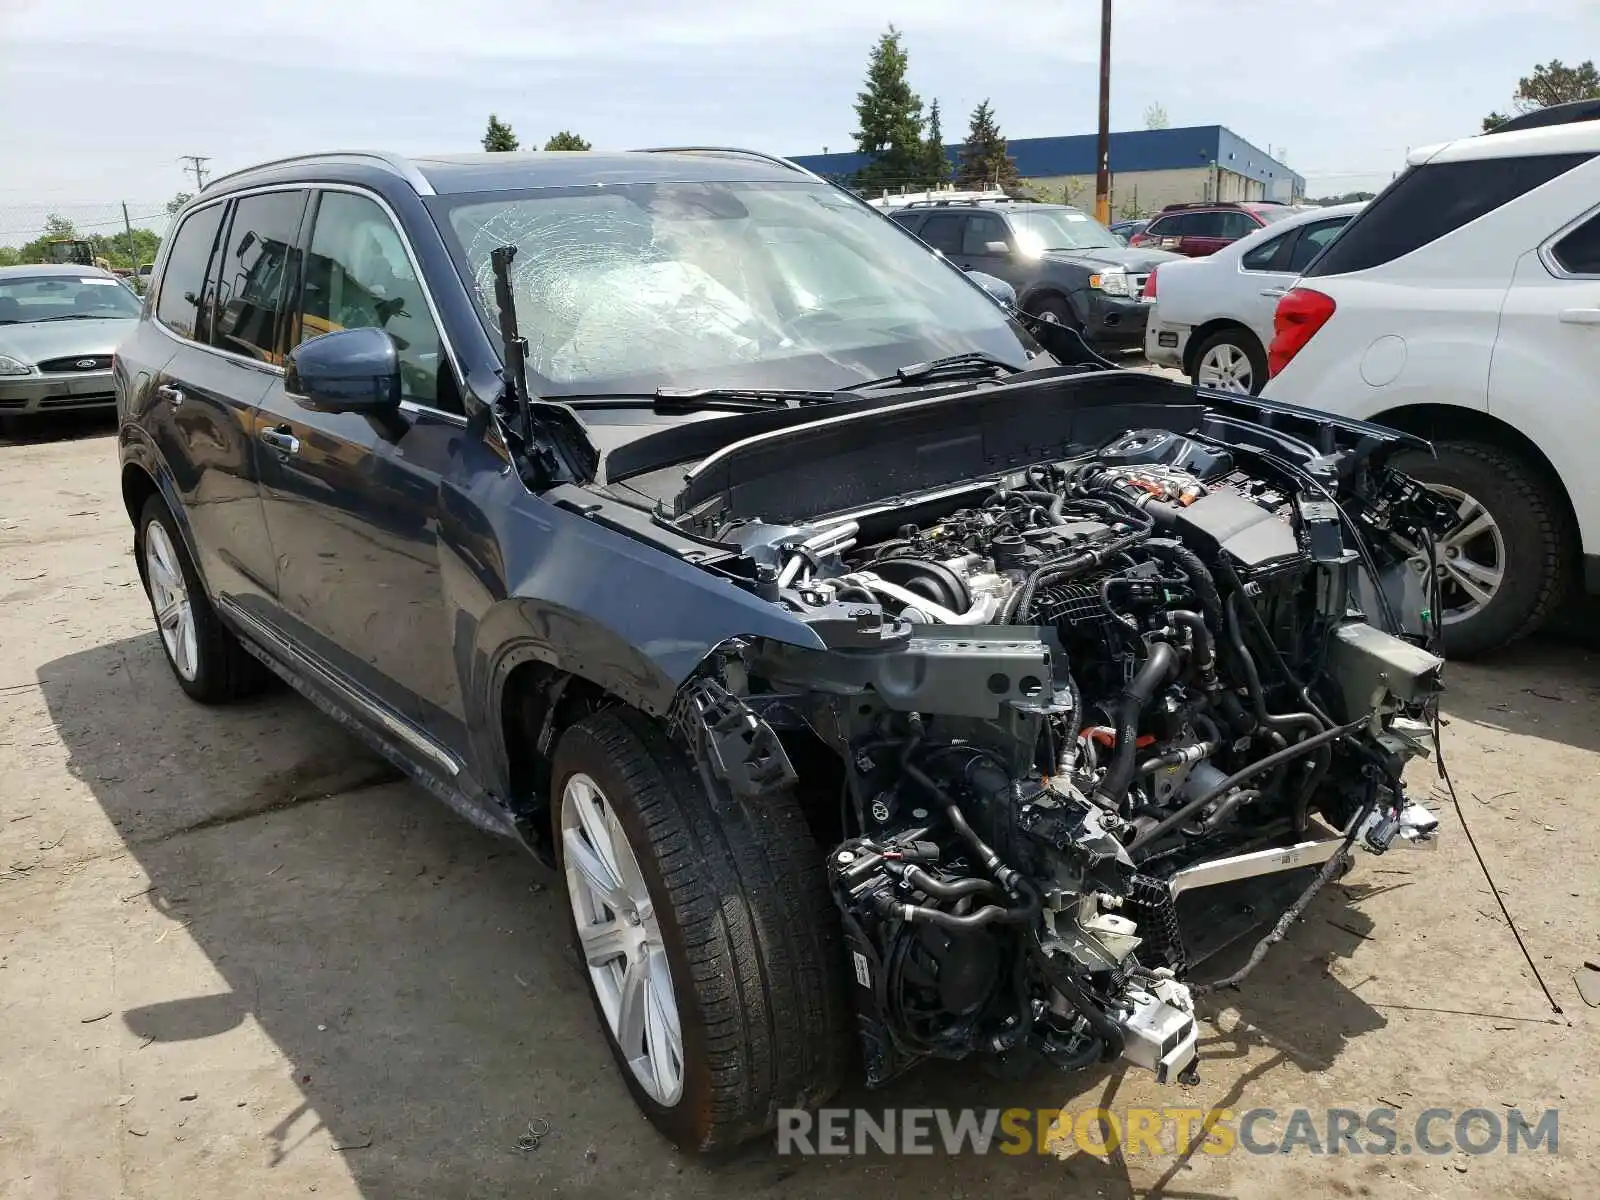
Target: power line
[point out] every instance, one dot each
(197, 165)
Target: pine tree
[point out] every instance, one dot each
(936, 165)
(984, 161)
(889, 114)
(498, 137)
(567, 141)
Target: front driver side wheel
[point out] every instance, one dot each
(705, 932)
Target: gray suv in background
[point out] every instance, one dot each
(1066, 267)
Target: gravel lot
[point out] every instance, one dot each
(239, 958)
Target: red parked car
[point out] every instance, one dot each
(1204, 228)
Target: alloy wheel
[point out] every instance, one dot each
(1469, 560)
(169, 596)
(621, 939)
(1227, 368)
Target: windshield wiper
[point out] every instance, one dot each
(684, 399)
(953, 367)
(81, 317)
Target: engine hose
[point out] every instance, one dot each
(1061, 979)
(1265, 634)
(1205, 650)
(1302, 800)
(989, 914)
(1159, 669)
(1252, 679)
(1201, 580)
(1260, 766)
(1226, 809)
(938, 888)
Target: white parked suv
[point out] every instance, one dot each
(1463, 304)
(1212, 317)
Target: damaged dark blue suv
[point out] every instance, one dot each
(884, 679)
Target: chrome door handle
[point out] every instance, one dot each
(280, 440)
(1274, 293)
(172, 395)
(1580, 316)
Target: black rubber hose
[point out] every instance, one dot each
(1107, 1030)
(989, 914)
(1260, 766)
(920, 879)
(1302, 801)
(1159, 669)
(1201, 580)
(1205, 650)
(1252, 679)
(1227, 808)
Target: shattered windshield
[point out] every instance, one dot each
(632, 287)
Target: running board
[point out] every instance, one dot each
(1258, 862)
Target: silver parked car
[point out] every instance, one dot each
(58, 328)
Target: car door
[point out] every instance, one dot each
(1203, 233)
(353, 501)
(987, 246)
(1268, 270)
(942, 231)
(206, 401)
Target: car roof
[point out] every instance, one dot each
(1575, 137)
(1303, 216)
(442, 174)
(34, 270)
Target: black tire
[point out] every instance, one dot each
(1056, 310)
(1533, 523)
(750, 933)
(224, 671)
(1242, 340)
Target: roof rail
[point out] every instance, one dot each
(729, 152)
(1556, 114)
(958, 201)
(402, 167)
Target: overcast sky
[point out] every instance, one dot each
(98, 98)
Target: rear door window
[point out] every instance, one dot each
(180, 304)
(1236, 224)
(942, 231)
(1314, 238)
(1578, 253)
(1204, 224)
(1432, 200)
(1266, 257)
(254, 270)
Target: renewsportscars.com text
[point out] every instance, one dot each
(1166, 1131)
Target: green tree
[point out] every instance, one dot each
(178, 202)
(889, 121)
(936, 167)
(1155, 117)
(498, 138)
(1551, 83)
(984, 162)
(567, 141)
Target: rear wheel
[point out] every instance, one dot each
(1503, 567)
(1231, 360)
(706, 933)
(208, 661)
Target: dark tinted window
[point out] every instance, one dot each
(1173, 226)
(358, 276)
(983, 228)
(909, 219)
(943, 232)
(1264, 256)
(1429, 201)
(1313, 238)
(253, 273)
(1237, 224)
(178, 306)
(1212, 224)
(1579, 252)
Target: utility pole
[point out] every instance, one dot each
(1102, 169)
(197, 165)
(133, 255)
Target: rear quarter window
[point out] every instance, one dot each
(1432, 200)
(183, 281)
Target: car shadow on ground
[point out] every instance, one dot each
(416, 975)
(55, 427)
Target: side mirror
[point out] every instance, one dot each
(996, 248)
(1001, 292)
(352, 370)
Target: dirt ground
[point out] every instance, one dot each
(240, 958)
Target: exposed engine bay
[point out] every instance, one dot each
(1064, 700)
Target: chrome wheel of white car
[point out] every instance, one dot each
(621, 940)
(169, 596)
(1469, 560)
(1225, 367)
